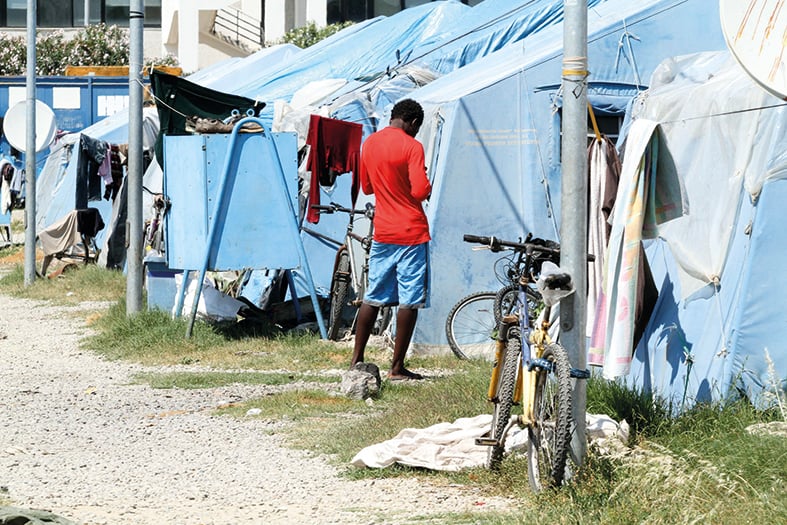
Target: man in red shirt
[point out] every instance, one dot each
(393, 169)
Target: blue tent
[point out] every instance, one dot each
(481, 30)
(359, 50)
(718, 327)
(56, 184)
(492, 133)
(226, 75)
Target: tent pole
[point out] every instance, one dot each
(573, 229)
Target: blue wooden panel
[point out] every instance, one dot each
(255, 228)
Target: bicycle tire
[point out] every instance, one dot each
(549, 436)
(506, 301)
(470, 326)
(504, 400)
(340, 290)
(383, 320)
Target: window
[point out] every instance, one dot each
(16, 13)
(71, 13)
(360, 10)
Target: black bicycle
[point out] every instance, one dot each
(351, 273)
(471, 325)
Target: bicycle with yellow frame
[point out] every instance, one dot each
(532, 371)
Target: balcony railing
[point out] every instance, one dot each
(239, 28)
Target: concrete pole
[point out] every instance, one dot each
(30, 148)
(134, 226)
(573, 228)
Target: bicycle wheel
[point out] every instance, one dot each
(470, 326)
(506, 301)
(549, 435)
(505, 398)
(383, 320)
(340, 290)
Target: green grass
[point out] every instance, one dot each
(78, 284)
(645, 414)
(303, 406)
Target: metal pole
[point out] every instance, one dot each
(134, 181)
(573, 229)
(87, 13)
(30, 148)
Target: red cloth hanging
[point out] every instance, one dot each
(335, 149)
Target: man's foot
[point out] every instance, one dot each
(404, 375)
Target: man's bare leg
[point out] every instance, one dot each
(367, 315)
(405, 326)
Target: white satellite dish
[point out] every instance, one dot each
(756, 33)
(15, 126)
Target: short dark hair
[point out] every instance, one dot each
(408, 110)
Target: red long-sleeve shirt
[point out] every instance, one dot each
(392, 168)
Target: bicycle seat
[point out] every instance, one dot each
(557, 281)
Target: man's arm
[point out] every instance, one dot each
(420, 187)
(366, 183)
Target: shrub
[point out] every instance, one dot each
(13, 55)
(95, 45)
(99, 45)
(310, 34)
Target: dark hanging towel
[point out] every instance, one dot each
(88, 183)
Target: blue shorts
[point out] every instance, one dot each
(398, 275)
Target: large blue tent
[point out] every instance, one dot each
(492, 133)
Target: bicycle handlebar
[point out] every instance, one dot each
(334, 207)
(496, 245)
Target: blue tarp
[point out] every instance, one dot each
(492, 134)
(225, 76)
(718, 322)
(357, 51)
(478, 31)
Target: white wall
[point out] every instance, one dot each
(181, 22)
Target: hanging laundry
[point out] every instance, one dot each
(604, 172)
(116, 161)
(6, 196)
(335, 148)
(92, 153)
(648, 194)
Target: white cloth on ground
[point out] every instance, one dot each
(451, 446)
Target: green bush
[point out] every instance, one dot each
(310, 34)
(13, 55)
(95, 45)
(99, 45)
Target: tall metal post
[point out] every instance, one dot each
(87, 13)
(573, 228)
(30, 148)
(134, 181)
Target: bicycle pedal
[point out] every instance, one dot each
(542, 364)
(580, 374)
(485, 441)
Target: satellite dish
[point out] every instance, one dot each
(15, 126)
(756, 33)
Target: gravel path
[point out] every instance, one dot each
(78, 439)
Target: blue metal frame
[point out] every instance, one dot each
(219, 205)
